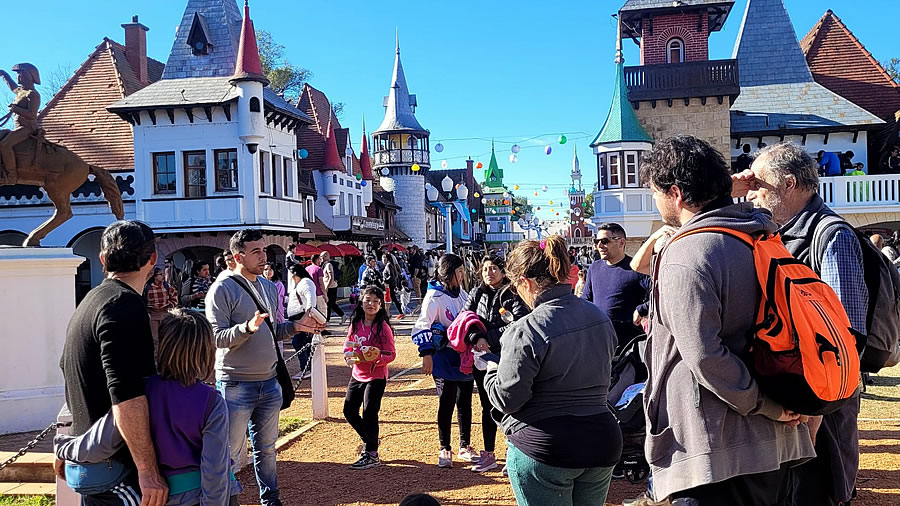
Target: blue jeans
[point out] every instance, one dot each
(254, 404)
(537, 484)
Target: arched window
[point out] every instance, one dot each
(254, 104)
(675, 50)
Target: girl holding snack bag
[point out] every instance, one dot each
(369, 348)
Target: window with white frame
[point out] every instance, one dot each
(343, 208)
(613, 164)
(675, 50)
(310, 210)
(631, 169)
(288, 174)
(350, 204)
(264, 183)
(276, 179)
(359, 206)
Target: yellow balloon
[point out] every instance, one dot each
(477, 195)
(553, 210)
(515, 187)
(415, 167)
(551, 202)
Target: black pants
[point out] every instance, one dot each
(488, 425)
(368, 395)
(126, 493)
(395, 298)
(458, 393)
(299, 341)
(762, 489)
(333, 305)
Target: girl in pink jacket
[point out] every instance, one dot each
(369, 349)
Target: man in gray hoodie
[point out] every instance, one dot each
(712, 436)
(246, 356)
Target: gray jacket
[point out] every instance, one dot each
(242, 355)
(707, 420)
(556, 361)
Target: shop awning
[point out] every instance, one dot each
(305, 250)
(394, 247)
(331, 249)
(349, 250)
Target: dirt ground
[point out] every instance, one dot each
(314, 470)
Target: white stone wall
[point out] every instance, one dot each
(409, 193)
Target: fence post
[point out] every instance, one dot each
(65, 496)
(319, 379)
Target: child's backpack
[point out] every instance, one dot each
(803, 352)
(882, 348)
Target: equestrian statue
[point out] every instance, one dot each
(28, 158)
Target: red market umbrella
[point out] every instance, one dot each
(394, 247)
(349, 250)
(331, 249)
(305, 250)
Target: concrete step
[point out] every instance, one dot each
(21, 488)
(33, 467)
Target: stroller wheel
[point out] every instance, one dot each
(636, 475)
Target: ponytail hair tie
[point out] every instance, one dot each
(543, 244)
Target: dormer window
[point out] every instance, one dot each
(675, 51)
(198, 37)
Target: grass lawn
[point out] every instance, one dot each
(27, 500)
(288, 424)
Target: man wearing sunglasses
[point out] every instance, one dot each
(612, 285)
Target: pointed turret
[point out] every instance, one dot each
(493, 175)
(365, 163)
(622, 124)
(248, 66)
(332, 158)
(576, 168)
(399, 105)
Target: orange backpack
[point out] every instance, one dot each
(802, 350)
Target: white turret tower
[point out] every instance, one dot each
(401, 152)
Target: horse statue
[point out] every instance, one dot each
(59, 172)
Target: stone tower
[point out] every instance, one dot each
(677, 89)
(401, 152)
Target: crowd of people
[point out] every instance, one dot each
(538, 332)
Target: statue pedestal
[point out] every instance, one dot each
(37, 299)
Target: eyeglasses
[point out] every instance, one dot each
(606, 240)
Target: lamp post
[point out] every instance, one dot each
(462, 193)
(532, 223)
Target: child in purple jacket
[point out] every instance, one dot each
(188, 423)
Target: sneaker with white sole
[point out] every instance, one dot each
(445, 459)
(468, 454)
(505, 471)
(367, 460)
(486, 462)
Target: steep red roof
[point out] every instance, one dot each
(248, 66)
(76, 116)
(332, 158)
(365, 163)
(840, 62)
(316, 105)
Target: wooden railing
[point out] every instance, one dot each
(711, 78)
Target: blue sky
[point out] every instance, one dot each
(523, 71)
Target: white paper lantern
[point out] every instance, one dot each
(544, 188)
(385, 171)
(444, 164)
(513, 158)
(387, 183)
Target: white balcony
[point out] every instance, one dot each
(861, 200)
(504, 237)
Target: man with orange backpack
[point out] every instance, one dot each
(713, 435)
(784, 180)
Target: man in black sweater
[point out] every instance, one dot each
(107, 356)
(612, 285)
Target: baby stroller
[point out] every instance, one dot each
(626, 402)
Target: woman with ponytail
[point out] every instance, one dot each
(443, 302)
(551, 385)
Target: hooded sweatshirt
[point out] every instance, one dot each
(707, 420)
(439, 308)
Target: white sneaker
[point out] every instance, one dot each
(445, 459)
(486, 462)
(468, 454)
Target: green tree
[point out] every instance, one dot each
(284, 77)
(893, 68)
(588, 209)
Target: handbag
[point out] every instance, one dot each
(95, 478)
(281, 370)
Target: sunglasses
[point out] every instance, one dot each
(606, 240)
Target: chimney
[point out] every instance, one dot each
(136, 49)
(470, 175)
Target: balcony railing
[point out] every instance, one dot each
(401, 156)
(89, 191)
(504, 237)
(714, 78)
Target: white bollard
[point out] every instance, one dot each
(319, 379)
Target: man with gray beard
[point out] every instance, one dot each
(784, 180)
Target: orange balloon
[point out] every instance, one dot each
(512, 211)
(479, 165)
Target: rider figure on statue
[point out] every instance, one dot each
(25, 108)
